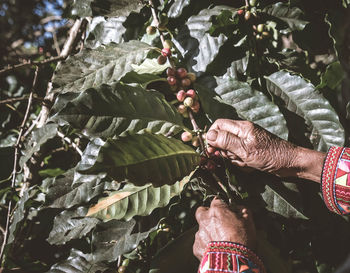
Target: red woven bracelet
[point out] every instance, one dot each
(335, 184)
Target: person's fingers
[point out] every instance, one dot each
(238, 163)
(200, 212)
(217, 203)
(236, 127)
(224, 140)
(197, 246)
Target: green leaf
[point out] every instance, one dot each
(38, 138)
(142, 79)
(107, 8)
(195, 44)
(114, 238)
(333, 76)
(301, 98)
(292, 16)
(140, 159)
(19, 213)
(106, 111)
(282, 201)
(150, 66)
(177, 7)
(6, 158)
(348, 110)
(105, 64)
(70, 225)
(132, 201)
(103, 31)
(78, 262)
(252, 105)
(63, 193)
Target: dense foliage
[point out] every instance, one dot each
(110, 180)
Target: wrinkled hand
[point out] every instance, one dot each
(248, 145)
(220, 223)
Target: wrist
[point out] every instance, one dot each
(308, 164)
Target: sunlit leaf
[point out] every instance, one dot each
(303, 99)
(131, 201)
(140, 159)
(106, 111)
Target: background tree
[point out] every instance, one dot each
(103, 159)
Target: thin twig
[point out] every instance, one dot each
(15, 161)
(246, 3)
(30, 63)
(13, 100)
(155, 19)
(198, 131)
(69, 141)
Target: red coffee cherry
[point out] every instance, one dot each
(161, 59)
(181, 95)
(186, 136)
(186, 82)
(191, 93)
(166, 52)
(196, 106)
(171, 80)
(170, 72)
(211, 150)
(182, 109)
(181, 73)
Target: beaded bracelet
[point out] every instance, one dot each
(335, 183)
(230, 257)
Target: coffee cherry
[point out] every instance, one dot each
(181, 95)
(258, 37)
(196, 106)
(150, 30)
(211, 150)
(186, 82)
(217, 154)
(265, 34)
(170, 72)
(125, 262)
(186, 136)
(188, 102)
(167, 44)
(192, 77)
(181, 73)
(247, 15)
(161, 59)
(191, 93)
(211, 165)
(121, 269)
(203, 160)
(195, 141)
(171, 80)
(260, 28)
(166, 52)
(252, 2)
(182, 109)
(240, 12)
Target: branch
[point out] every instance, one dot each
(15, 161)
(78, 28)
(69, 141)
(13, 100)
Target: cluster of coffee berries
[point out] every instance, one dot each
(212, 161)
(187, 137)
(123, 267)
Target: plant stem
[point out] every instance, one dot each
(13, 100)
(198, 131)
(69, 141)
(15, 162)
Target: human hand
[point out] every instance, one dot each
(248, 145)
(220, 223)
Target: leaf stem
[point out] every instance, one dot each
(198, 131)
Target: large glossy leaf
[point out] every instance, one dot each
(140, 159)
(38, 138)
(282, 201)
(70, 225)
(301, 98)
(114, 238)
(63, 194)
(107, 8)
(177, 7)
(78, 262)
(132, 201)
(292, 16)
(103, 31)
(195, 44)
(252, 105)
(106, 111)
(105, 64)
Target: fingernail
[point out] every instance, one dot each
(212, 135)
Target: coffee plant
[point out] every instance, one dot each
(111, 166)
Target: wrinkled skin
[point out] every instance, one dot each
(248, 145)
(221, 223)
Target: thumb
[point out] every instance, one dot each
(224, 140)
